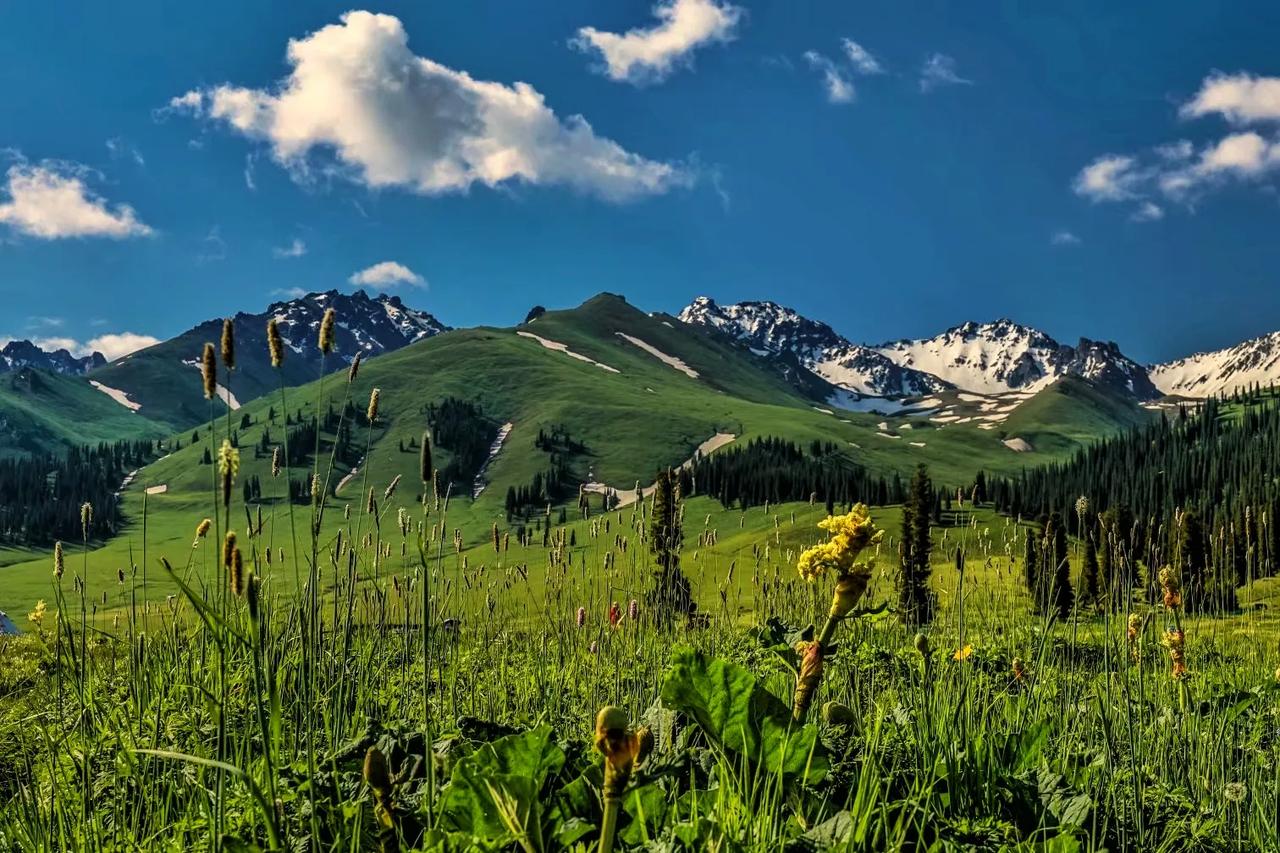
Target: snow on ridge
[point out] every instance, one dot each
(116, 394)
(669, 360)
(564, 348)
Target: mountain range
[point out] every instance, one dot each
(992, 358)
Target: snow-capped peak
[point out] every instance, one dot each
(1205, 374)
(16, 355)
(772, 329)
(986, 358)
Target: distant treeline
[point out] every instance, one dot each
(41, 496)
(460, 427)
(774, 470)
(1199, 491)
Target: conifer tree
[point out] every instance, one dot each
(672, 594)
(916, 600)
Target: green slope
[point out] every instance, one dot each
(633, 418)
(43, 412)
(1072, 412)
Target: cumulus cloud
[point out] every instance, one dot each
(1178, 171)
(295, 249)
(940, 70)
(119, 344)
(1111, 177)
(838, 87)
(51, 201)
(650, 54)
(387, 274)
(112, 345)
(1239, 98)
(390, 118)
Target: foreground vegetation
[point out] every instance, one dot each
(359, 674)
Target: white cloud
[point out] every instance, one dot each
(645, 55)
(54, 344)
(51, 201)
(1064, 238)
(838, 87)
(387, 274)
(394, 119)
(1176, 171)
(289, 292)
(1148, 211)
(1109, 178)
(861, 58)
(1239, 98)
(940, 70)
(296, 249)
(119, 344)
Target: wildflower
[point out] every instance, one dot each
(354, 370)
(326, 331)
(615, 615)
(1235, 792)
(86, 518)
(59, 563)
(593, 648)
(202, 529)
(1019, 673)
(1134, 634)
(276, 459)
(36, 616)
(581, 617)
(373, 405)
(228, 467)
(622, 749)
(964, 653)
(808, 679)
(391, 489)
(209, 372)
(377, 775)
(275, 344)
(228, 345)
(850, 534)
(1171, 586)
(1175, 641)
(1082, 506)
(633, 610)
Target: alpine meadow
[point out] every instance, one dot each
(580, 559)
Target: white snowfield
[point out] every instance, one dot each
(116, 394)
(477, 486)
(670, 360)
(564, 348)
(1018, 445)
(1207, 374)
(223, 394)
(627, 494)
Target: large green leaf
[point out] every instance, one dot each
(727, 702)
(495, 793)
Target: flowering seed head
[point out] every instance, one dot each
(275, 343)
(326, 330)
(228, 345)
(209, 371)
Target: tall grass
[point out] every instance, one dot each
(222, 719)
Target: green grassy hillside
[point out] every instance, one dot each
(44, 412)
(639, 392)
(1072, 412)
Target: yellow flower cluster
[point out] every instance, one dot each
(850, 534)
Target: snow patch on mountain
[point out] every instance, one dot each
(670, 360)
(1223, 371)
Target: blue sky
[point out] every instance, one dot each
(891, 167)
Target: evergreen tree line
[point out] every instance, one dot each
(41, 496)
(460, 427)
(1199, 492)
(774, 470)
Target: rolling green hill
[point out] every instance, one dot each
(634, 391)
(1070, 413)
(43, 412)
